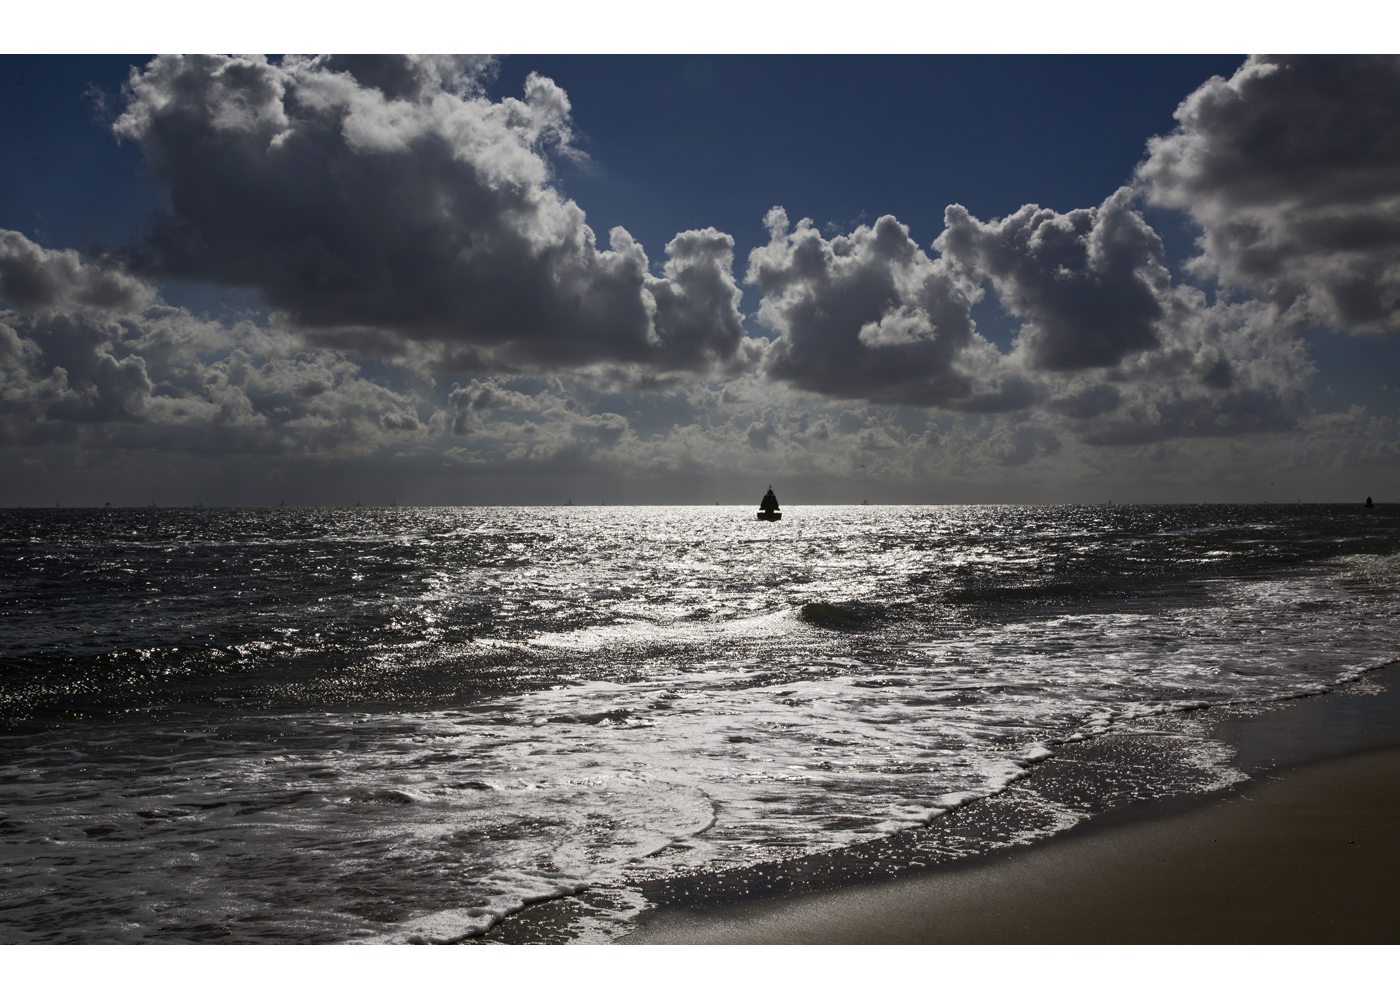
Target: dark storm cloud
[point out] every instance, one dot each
(389, 206)
(1292, 169)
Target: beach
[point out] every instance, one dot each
(1303, 853)
(1307, 856)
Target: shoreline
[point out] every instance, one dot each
(1303, 855)
(1123, 779)
(1352, 732)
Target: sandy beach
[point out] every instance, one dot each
(1304, 855)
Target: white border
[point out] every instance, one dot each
(703, 973)
(715, 26)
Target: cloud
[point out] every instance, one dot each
(760, 435)
(1354, 439)
(1086, 401)
(388, 208)
(96, 358)
(1292, 170)
(1222, 370)
(869, 316)
(32, 277)
(400, 222)
(106, 381)
(1021, 444)
(1108, 347)
(1089, 285)
(507, 427)
(481, 397)
(386, 205)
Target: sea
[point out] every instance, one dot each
(423, 725)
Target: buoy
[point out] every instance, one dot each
(768, 507)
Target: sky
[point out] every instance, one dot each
(680, 279)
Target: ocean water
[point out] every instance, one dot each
(409, 724)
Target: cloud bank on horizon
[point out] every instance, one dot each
(407, 231)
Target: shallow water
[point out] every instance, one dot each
(405, 724)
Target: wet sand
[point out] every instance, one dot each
(1307, 854)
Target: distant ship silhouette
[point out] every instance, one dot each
(768, 507)
(1369, 503)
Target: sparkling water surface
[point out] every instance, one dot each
(405, 724)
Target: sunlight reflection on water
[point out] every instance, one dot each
(404, 724)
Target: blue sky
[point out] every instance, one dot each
(379, 283)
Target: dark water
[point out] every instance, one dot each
(406, 723)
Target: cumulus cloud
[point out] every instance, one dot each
(386, 204)
(390, 211)
(1117, 349)
(507, 426)
(1222, 370)
(1353, 439)
(94, 356)
(1292, 170)
(760, 433)
(95, 378)
(1090, 285)
(32, 277)
(1020, 444)
(482, 397)
(870, 316)
(1107, 345)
